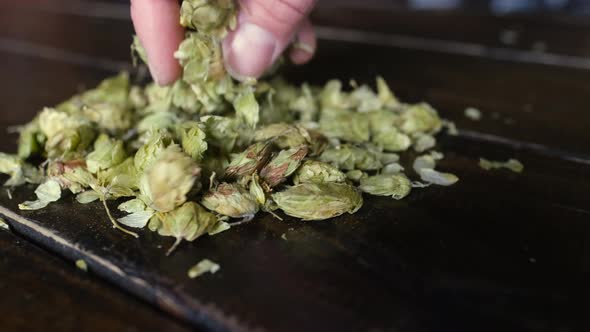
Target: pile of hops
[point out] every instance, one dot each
(188, 158)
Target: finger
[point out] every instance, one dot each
(305, 44)
(157, 25)
(265, 29)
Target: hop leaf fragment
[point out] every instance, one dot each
(512, 164)
(47, 192)
(247, 107)
(424, 166)
(139, 213)
(203, 267)
(19, 171)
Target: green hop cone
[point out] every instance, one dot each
(318, 201)
(283, 165)
(345, 125)
(284, 135)
(232, 200)
(167, 182)
(249, 161)
(420, 118)
(312, 171)
(64, 132)
(192, 139)
(107, 153)
(348, 157)
(397, 186)
(186, 222)
(256, 189)
(247, 108)
(211, 16)
(148, 153)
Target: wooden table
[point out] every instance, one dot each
(496, 252)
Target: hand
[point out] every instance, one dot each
(265, 29)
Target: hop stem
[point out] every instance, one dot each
(173, 247)
(115, 223)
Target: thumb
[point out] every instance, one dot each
(265, 28)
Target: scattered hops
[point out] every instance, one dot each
(188, 157)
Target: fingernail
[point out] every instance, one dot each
(301, 53)
(301, 46)
(249, 51)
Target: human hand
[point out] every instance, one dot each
(265, 29)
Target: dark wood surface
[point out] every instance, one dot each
(41, 292)
(497, 252)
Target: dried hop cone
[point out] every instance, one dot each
(210, 16)
(167, 182)
(318, 201)
(232, 200)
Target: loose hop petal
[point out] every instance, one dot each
(203, 267)
(439, 178)
(247, 108)
(512, 164)
(256, 190)
(424, 166)
(47, 192)
(424, 142)
(19, 171)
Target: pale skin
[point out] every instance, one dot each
(265, 30)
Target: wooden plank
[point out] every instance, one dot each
(498, 248)
(498, 251)
(41, 292)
